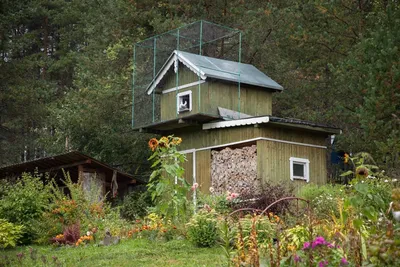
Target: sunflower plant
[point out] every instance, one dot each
(167, 186)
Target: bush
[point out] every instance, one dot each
(24, 201)
(370, 197)
(202, 228)
(323, 198)
(270, 193)
(9, 234)
(81, 207)
(135, 205)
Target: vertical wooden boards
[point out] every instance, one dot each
(188, 166)
(188, 174)
(203, 170)
(213, 94)
(273, 162)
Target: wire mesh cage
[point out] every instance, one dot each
(150, 56)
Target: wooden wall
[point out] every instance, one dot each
(213, 94)
(272, 157)
(273, 162)
(198, 138)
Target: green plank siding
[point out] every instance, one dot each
(213, 94)
(272, 157)
(198, 138)
(188, 167)
(273, 162)
(203, 170)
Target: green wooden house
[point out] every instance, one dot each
(223, 112)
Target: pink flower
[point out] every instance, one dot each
(229, 198)
(344, 262)
(306, 245)
(234, 195)
(319, 240)
(296, 258)
(194, 186)
(323, 264)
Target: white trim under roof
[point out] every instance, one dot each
(233, 123)
(183, 86)
(173, 58)
(252, 140)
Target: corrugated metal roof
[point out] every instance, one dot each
(285, 122)
(208, 67)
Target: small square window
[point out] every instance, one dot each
(184, 101)
(299, 169)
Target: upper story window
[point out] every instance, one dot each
(299, 169)
(184, 101)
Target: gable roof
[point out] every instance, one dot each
(208, 67)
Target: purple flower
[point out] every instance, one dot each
(344, 262)
(329, 245)
(319, 240)
(296, 258)
(306, 245)
(323, 264)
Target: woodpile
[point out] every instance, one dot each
(235, 170)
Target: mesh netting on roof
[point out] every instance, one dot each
(150, 55)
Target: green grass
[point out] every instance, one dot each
(138, 252)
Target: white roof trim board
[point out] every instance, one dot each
(208, 67)
(176, 56)
(233, 123)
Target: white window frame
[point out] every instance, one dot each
(189, 92)
(305, 163)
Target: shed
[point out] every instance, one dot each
(77, 165)
(222, 109)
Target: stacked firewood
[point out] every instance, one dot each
(235, 170)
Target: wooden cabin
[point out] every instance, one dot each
(79, 167)
(223, 112)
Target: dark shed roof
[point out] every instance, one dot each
(62, 161)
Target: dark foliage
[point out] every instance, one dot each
(72, 233)
(135, 204)
(270, 193)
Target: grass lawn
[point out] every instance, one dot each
(132, 252)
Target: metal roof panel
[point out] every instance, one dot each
(208, 67)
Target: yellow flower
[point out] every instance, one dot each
(346, 158)
(176, 140)
(291, 247)
(164, 142)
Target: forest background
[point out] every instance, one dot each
(66, 70)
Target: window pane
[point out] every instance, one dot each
(298, 169)
(184, 102)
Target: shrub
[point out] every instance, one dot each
(9, 234)
(323, 254)
(263, 225)
(202, 228)
(24, 201)
(323, 198)
(217, 202)
(79, 207)
(135, 205)
(371, 197)
(270, 193)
